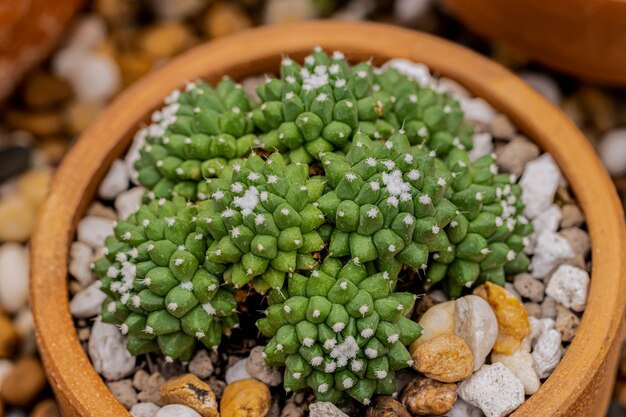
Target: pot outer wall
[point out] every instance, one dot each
(582, 383)
(584, 38)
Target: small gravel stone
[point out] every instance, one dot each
(9, 337)
(115, 181)
(292, 410)
(428, 300)
(98, 209)
(247, 397)
(425, 396)
(539, 182)
(282, 11)
(566, 323)
(550, 251)
(437, 320)
(176, 10)
(46, 408)
(513, 156)
(476, 323)
(87, 303)
(201, 365)
(529, 287)
(408, 11)
(578, 240)
(386, 407)
(501, 127)
(533, 310)
(124, 392)
(225, 18)
(94, 230)
(325, 409)
(257, 368)
(238, 371)
(521, 363)
(548, 308)
(79, 264)
(547, 350)
(13, 277)
(494, 389)
(151, 391)
(477, 110)
(463, 409)
(5, 369)
(544, 85)
(413, 70)
(128, 202)
(94, 77)
(452, 87)
(108, 353)
(548, 221)
(25, 327)
(144, 410)
(612, 149)
(483, 145)
(139, 379)
(189, 390)
(569, 286)
(217, 386)
(177, 410)
(572, 216)
(445, 358)
(23, 383)
(17, 219)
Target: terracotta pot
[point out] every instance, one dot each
(28, 30)
(580, 386)
(584, 38)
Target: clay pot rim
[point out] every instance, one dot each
(80, 389)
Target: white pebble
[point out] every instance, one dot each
(612, 151)
(408, 11)
(539, 182)
(548, 220)
(238, 371)
(13, 277)
(476, 323)
(283, 11)
(463, 409)
(144, 410)
(325, 409)
(547, 351)
(544, 85)
(494, 389)
(521, 363)
(413, 70)
(128, 202)
(550, 250)
(88, 33)
(569, 286)
(452, 87)
(93, 230)
(108, 353)
(483, 145)
(80, 260)
(87, 302)
(477, 110)
(115, 181)
(95, 78)
(177, 410)
(437, 320)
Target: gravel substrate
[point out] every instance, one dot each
(553, 295)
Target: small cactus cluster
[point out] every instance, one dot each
(161, 292)
(340, 331)
(318, 194)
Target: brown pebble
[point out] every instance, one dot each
(189, 390)
(533, 310)
(572, 216)
(40, 124)
(578, 240)
(566, 323)
(79, 115)
(217, 385)
(17, 218)
(46, 408)
(33, 185)
(445, 358)
(53, 148)
(151, 392)
(124, 392)
(43, 90)
(427, 396)
(139, 379)
(514, 156)
(134, 66)
(165, 39)
(9, 337)
(23, 383)
(224, 18)
(246, 398)
(386, 407)
(501, 127)
(292, 410)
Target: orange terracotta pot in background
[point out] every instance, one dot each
(585, 38)
(580, 386)
(28, 31)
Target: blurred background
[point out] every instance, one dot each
(62, 61)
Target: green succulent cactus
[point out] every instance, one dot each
(340, 331)
(320, 106)
(200, 133)
(263, 219)
(159, 291)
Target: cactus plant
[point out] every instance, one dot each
(340, 331)
(199, 133)
(159, 289)
(263, 221)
